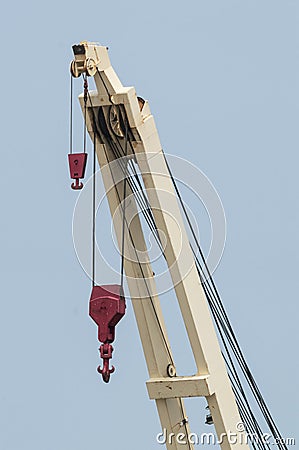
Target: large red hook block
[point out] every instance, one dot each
(77, 163)
(106, 307)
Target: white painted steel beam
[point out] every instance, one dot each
(179, 387)
(147, 309)
(211, 379)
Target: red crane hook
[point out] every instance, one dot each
(106, 307)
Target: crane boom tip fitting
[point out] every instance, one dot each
(89, 57)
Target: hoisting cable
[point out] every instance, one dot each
(239, 360)
(152, 302)
(144, 204)
(249, 421)
(237, 355)
(213, 295)
(124, 208)
(150, 220)
(77, 161)
(132, 239)
(146, 211)
(141, 198)
(71, 115)
(247, 414)
(142, 201)
(148, 216)
(132, 181)
(143, 277)
(151, 225)
(93, 280)
(85, 96)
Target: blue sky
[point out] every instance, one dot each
(222, 81)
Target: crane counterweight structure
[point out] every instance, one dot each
(123, 130)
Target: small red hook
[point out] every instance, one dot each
(106, 354)
(77, 163)
(77, 185)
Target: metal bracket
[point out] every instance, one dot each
(194, 386)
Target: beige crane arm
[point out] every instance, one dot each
(106, 106)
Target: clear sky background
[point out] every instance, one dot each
(222, 81)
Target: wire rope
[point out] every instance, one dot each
(221, 319)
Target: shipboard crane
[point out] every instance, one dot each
(123, 130)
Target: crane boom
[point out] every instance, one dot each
(112, 111)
